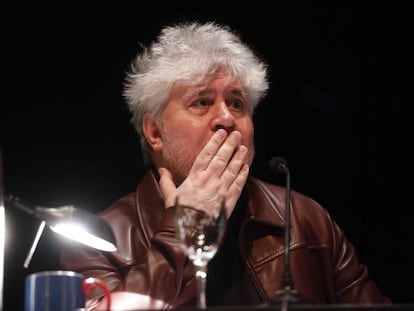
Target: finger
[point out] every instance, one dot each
(209, 150)
(234, 167)
(236, 189)
(226, 151)
(167, 186)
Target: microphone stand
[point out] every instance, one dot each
(287, 294)
(2, 231)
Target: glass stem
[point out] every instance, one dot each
(201, 277)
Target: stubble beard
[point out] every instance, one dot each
(177, 158)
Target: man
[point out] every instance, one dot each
(192, 94)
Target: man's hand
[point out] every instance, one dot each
(219, 172)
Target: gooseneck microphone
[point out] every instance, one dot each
(287, 293)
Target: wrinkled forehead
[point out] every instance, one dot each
(203, 81)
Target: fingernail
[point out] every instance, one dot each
(242, 149)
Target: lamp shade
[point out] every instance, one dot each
(73, 223)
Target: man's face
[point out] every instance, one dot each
(193, 113)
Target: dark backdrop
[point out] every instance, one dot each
(337, 111)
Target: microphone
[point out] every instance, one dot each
(278, 165)
(287, 293)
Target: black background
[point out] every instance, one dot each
(337, 111)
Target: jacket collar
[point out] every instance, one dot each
(149, 204)
(265, 203)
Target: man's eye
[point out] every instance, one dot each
(237, 105)
(202, 102)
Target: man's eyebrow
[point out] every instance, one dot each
(196, 92)
(238, 91)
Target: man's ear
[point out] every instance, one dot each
(152, 132)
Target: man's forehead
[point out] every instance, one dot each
(202, 86)
(188, 92)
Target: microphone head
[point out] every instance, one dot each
(277, 165)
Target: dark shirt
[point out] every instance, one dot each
(227, 279)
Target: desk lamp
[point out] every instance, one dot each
(69, 221)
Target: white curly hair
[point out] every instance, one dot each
(189, 52)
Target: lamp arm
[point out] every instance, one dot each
(17, 202)
(34, 244)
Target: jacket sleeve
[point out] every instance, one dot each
(159, 270)
(352, 281)
(346, 277)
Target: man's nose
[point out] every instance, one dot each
(222, 118)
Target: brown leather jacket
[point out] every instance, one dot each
(324, 265)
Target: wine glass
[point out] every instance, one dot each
(200, 234)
